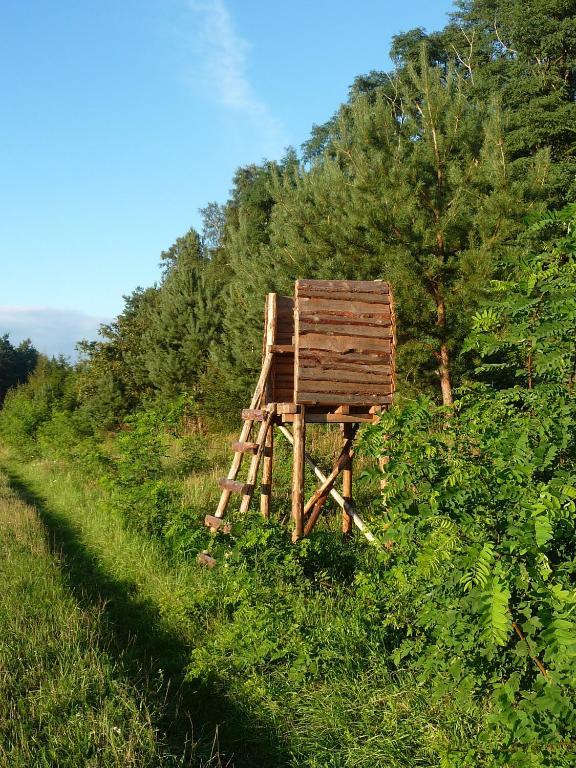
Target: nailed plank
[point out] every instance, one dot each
(281, 349)
(234, 486)
(252, 414)
(331, 418)
(337, 329)
(381, 319)
(287, 408)
(324, 357)
(334, 305)
(217, 524)
(345, 286)
(330, 295)
(311, 398)
(203, 558)
(245, 447)
(346, 374)
(343, 343)
(337, 388)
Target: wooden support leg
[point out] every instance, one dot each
(347, 485)
(298, 474)
(358, 522)
(266, 496)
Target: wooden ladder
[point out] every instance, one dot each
(262, 446)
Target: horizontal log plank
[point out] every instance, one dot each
(343, 343)
(287, 408)
(348, 318)
(340, 305)
(252, 414)
(314, 365)
(326, 357)
(346, 286)
(234, 486)
(203, 558)
(338, 387)
(358, 330)
(331, 418)
(311, 398)
(281, 349)
(244, 447)
(217, 524)
(329, 295)
(344, 374)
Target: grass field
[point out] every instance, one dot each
(115, 652)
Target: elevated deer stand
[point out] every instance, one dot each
(328, 357)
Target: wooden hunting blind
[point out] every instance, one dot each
(328, 357)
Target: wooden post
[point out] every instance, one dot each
(358, 522)
(271, 320)
(349, 433)
(266, 496)
(299, 448)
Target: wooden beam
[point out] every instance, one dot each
(244, 447)
(267, 463)
(298, 444)
(324, 488)
(216, 523)
(358, 522)
(331, 418)
(203, 558)
(232, 486)
(349, 433)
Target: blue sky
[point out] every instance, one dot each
(121, 118)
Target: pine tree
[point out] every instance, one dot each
(416, 189)
(182, 323)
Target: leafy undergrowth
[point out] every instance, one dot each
(284, 653)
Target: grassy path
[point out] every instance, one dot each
(102, 634)
(65, 698)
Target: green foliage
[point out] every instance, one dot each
(139, 490)
(28, 407)
(479, 513)
(16, 363)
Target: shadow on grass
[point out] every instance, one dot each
(199, 723)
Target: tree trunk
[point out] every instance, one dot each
(444, 356)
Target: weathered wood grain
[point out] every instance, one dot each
(341, 305)
(340, 387)
(343, 286)
(345, 374)
(338, 329)
(325, 398)
(343, 343)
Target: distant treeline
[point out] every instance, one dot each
(424, 177)
(16, 363)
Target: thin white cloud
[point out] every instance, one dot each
(52, 331)
(224, 56)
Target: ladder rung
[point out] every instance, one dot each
(245, 447)
(281, 349)
(253, 414)
(204, 558)
(217, 523)
(233, 485)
